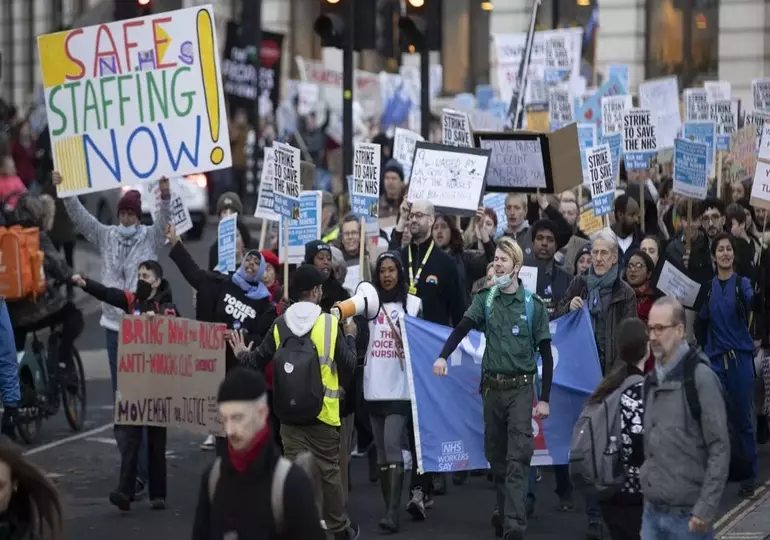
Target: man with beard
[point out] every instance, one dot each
(251, 489)
(626, 227)
(432, 277)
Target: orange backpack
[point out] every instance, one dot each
(21, 263)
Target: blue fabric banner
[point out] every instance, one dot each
(448, 411)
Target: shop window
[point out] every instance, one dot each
(683, 40)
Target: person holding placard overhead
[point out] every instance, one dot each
(515, 324)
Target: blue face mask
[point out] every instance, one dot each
(127, 231)
(502, 282)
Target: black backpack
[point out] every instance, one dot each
(298, 391)
(741, 465)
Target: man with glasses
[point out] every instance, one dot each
(432, 276)
(685, 466)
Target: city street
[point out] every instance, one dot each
(84, 466)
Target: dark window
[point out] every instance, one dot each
(683, 40)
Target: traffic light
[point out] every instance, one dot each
(332, 28)
(130, 9)
(421, 26)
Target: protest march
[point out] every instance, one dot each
(334, 301)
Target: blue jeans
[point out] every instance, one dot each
(659, 524)
(564, 490)
(112, 357)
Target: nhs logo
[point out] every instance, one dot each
(452, 447)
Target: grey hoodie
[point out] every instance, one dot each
(120, 256)
(685, 464)
(300, 318)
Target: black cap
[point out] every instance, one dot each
(306, 278)
(313, 247)
(241, 384)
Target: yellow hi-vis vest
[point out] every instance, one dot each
(324, 336)
(332, 235)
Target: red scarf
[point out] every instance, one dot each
(241, 459)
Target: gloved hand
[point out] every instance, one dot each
(8, 424)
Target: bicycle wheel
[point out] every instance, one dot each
(73, 392)
(29, 422)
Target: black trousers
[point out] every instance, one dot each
(69, 256)
(623, 519)
(156, 457)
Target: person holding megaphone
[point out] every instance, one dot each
(386, 388)
(314, 360)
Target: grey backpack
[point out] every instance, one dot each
(593, 465)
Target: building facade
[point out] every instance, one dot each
(698, 40)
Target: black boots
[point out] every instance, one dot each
(371, 456)
(392, 484)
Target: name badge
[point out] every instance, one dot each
(413, 290)
(237, 325)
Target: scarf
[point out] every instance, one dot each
(241, 459)
(599, 286)
(252, 285)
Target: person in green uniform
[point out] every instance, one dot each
(515, 324)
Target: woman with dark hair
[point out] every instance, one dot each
(29, 503)
(623, 511)
(386, 389)
(471, 264)
(639, 270)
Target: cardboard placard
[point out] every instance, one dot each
(558, 169)
(169, 371)
(760, 188)
(451, 178)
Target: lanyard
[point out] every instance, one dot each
(413, 279)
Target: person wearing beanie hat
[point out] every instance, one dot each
(270, 277)
(235, 498)
(122, 247)
(394, 188)
(310, 422)
(229, 203)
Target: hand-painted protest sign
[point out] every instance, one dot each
(586, 139)
(724, 113)
(615, 142)
(590, 109)
(365, 188)
(558, 62)
(602, 179)
(760, 188)
(662, 97)
(447, 411)
(760, 89)
(620, 72)
(690, 168)
(515, 163)
(265, 200)
(286, 180)
(613, 108)
(589, 222)
(743, 154)
(456, 129)
(640, 138)
(702, 132)
(169, 371)
(303, 230)
(180, 214)
(451, 178)
(135, 100)
(404, 142)
(696, 105)
(718, 90)
(559, 108)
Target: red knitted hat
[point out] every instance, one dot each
(131, 201)
(271, 258)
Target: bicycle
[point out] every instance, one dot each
(42, 395)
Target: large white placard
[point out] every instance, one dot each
(135, 100)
